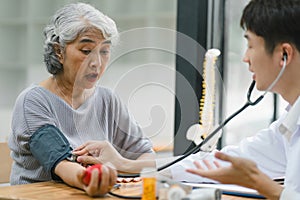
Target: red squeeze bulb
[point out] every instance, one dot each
(88, 173)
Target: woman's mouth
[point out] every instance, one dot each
(92, 77)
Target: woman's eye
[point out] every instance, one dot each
(86, 52)
(104, 52)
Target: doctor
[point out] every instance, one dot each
(272, 30)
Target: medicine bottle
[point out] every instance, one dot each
(148, 176)
(163, 188)
(176, 193)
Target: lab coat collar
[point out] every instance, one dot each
(289, 125)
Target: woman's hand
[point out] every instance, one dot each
(73, 173)
(242, 172)
(94, 152)
(97, 187)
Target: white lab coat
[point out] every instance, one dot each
(276, 150)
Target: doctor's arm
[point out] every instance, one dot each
(241, 172)
(94, 152)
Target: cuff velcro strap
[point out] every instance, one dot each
(49, 146)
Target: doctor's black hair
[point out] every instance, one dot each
(277, 21)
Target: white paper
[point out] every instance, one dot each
(228, 188)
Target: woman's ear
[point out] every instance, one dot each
(58, 52)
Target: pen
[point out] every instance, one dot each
(117, 186)
(279, 180)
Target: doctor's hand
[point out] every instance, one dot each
(93, 152)
(243, 172)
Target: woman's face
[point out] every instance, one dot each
(264, 66)
(84, 60)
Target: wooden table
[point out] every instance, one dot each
(60, 191)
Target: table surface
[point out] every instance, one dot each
(52, 191)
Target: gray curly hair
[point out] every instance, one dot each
(65, 26)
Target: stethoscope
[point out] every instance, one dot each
(248, 103)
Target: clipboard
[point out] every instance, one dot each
(229, 189)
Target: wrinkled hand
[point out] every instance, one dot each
(94, 152)
(97, 187)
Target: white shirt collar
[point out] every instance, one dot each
(289, 125)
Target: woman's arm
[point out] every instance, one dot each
(135, 166)
(72, 174)
(103, 152)
(242, 172)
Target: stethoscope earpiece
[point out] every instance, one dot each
(284, 56)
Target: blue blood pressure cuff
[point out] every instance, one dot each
(49, 146)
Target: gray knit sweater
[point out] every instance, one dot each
(100, 117)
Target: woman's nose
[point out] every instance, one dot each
(95, 60)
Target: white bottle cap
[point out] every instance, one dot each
(176, 193)
(148, 172)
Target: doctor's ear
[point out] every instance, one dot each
(287, 51)
(285, 56)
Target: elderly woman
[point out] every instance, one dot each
(68, 109)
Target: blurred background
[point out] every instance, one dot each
(143, 68)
